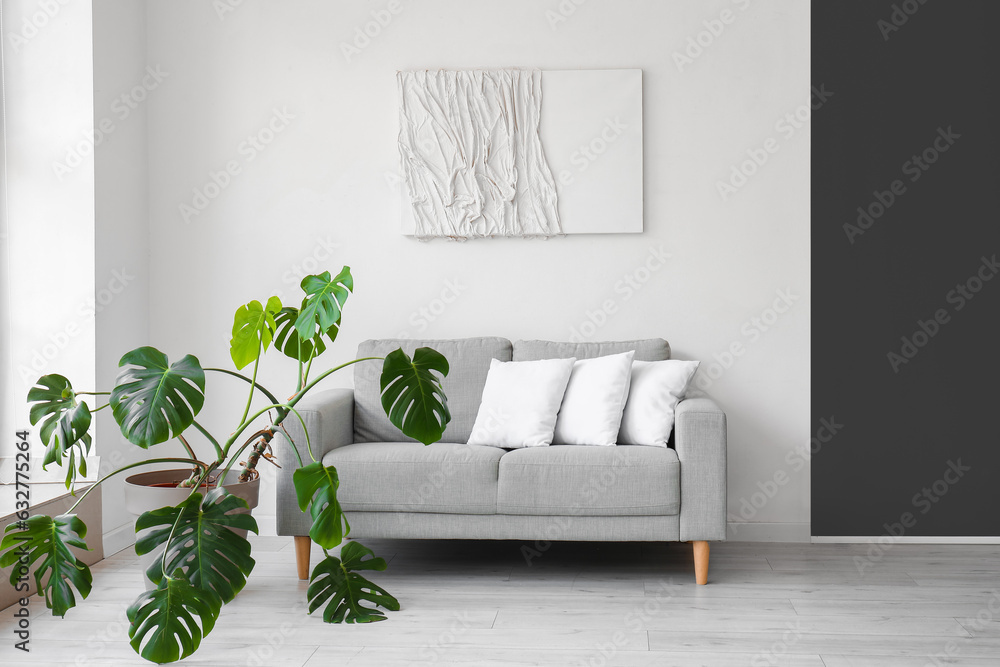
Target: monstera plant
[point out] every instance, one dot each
(205, 559)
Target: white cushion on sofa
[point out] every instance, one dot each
(591, 411)
(657, 388)
(520, 402)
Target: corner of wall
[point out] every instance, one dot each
(122, 222)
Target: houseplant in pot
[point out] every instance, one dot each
(202, 557)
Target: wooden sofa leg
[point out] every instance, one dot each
(302, 546)
(701, 562)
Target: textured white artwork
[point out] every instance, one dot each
(472, 160)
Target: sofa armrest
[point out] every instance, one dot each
(329, 416)
(700, 441)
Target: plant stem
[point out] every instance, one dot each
(253, 382)
(271, 397)
(187, 446)
(290, 404)
(299, 394)
(215, 443)
(106, 405)
(295, 449)
(246, 423)
(308, 442)
(265, 440)
(287, 408)
(309, 366)
(128, 467)
(93, 393)
(245, 474)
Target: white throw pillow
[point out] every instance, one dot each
(591, 411)
(657, 388)
(520, 403)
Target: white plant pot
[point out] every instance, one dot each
(141, 497)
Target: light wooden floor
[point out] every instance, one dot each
(628, 605)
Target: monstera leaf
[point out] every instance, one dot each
(65, 422)
(213, 556)
(162, 622)
(253, 328)
(316, 488)
(286, 338)
(48, 539)
(323, 304)
(336, 583)
(151, 399)
(412, 395)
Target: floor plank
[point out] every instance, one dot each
(939, 660)
(682, 619)
(778, 644)
(630, 604)
(390, 657)
(62, 653)
(969, 608)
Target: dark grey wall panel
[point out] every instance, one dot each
(906, 290)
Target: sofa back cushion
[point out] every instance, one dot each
(468, 362)
(649, 349)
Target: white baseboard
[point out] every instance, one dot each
(119, 538)
(903, 539)
(767, 532)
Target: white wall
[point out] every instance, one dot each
(122, 226)
(326, 186)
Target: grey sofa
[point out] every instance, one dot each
(394, 487)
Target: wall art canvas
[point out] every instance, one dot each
(520, 152)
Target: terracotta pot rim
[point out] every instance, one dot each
(181, 475)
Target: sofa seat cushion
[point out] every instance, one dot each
(590, 481)
(444, 477)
